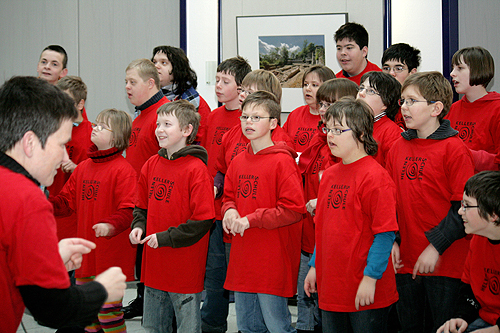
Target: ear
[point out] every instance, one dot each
(29, 142)
(364, 50)
(187, 130)
(64, 72)
(494, 218)
(413, 71)
(151, 83)
(273, 123)
(437, 109)
(80, 105)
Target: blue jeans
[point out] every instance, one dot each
(160, 306)
(261, 313)
(476, 325)
(216, 303)
(366, 321)
(307, 307)
(426, 297)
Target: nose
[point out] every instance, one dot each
(392, 72)
(452, 73)
(361, 93)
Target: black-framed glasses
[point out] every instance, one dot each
(254, 119)
(465, 206)
(334, 131)
(369, 91)
(411, 101)
(100, 127)
(396, 69)
(324, 105)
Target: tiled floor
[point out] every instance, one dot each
(133, 325)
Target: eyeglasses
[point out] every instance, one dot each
(244, 91)
(335, 131)
(324, 105)
(396, 69)
(465, 207)
(254, 119)
(100, 127)
(411, 101)
(369, 91)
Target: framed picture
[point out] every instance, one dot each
(287, 45)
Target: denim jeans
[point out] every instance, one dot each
(366, 321)
(307, 307)
(160, 306)
(216, 303)
(476, 325)
(431, 297)
(261, 313)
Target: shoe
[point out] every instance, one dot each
(134, 308)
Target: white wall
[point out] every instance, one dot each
(408, 26)
(100, 37)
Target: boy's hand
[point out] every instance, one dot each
(68, 167)
(113, 281)
(135, 236)
(215, 191)
(311, 206)
(310, 282)
(426, 261)
(71, 251)
(103, 229)
(230, 215)
(455, 325)
(396, 259)
(239, 226)
(151, 240)
(366, 292)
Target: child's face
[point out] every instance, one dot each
(103, 138)
(50, 66)
(226, 88)
(169, 133)
(369, 95)
(344, 146)
(460, 76)
(350, 57)
(397, 69)
(256, 130)
(137, 89)
(312, 82)
(245, 91)
(164, 68)
(473, 223)
(420, 116)
(323, 106)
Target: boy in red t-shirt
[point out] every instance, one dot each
(355, 227)
(263, 204)
(302, 123)
(175, 211)
(429, 165)
(230, 75)
(76, 148)
(381, 92)
(477, 115)
(479, 305)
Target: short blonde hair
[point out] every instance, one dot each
(120, 123)
(265, 100)
(75, 85)
(185, 113)
(146, 70)
(264, 81)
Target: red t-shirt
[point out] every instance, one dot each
(95, 191)
(29, 252)
(174, 191)
(143, 143)
(429, 174)
(77, 152)
(478, 124)
(301, 126)
(266, 259)
(482, 272)
(357, 78)
(355, 202)
(204, 111)
(385, 132)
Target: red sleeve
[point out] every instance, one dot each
(220, 164)
(65, 202)
(204, 111)
(142, 187)
(272, 218)
(484, 161)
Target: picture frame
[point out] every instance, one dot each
(250, 29)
